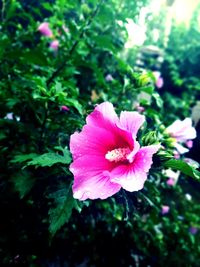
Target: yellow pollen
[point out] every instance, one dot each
(118, 154)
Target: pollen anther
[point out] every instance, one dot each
(118, 154)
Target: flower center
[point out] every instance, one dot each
(118, 154)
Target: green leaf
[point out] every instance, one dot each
(49, 159)
(61, 213)
(147, 89)
(23, 158)
(45, 160)
(23, 182)
(183, 167)
(158, 99)
(105, 42)
(35, 57)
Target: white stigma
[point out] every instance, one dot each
(118, 154)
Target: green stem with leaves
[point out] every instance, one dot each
(73, 48)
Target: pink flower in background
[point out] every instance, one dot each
(181, 149)
(165, 209)
(109, 78)
(54, 45)
(106, 155)
(45, 30)
(189, 143)
(171, 182)
(176, 155)
(159, 82)
(64, 108)
(172, 176)
(182, 130)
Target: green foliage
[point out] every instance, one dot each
(23, 183)
(37, 205)
(47, 159)
(61, 212)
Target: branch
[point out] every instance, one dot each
(73, 48)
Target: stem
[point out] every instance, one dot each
(126, 217)
(3, 9)
(73, 48)
(40, 141)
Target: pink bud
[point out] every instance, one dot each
(171, 182)
(64, 108)
(54, 45)
(189, 143)
(45, 30)
(165, 209)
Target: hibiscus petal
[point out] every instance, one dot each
(91, 178)
(189, 134)
(132, 177)
(182, 130)
(181, 149)
(103, 116)
(96, 186)
(131, 121)
(101, 133)
(89, 166)
(91, 141)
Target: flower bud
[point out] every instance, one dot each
(150, 138)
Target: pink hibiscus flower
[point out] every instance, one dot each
(64, 108)
(182, 132)
(171, 182)
(159, 80)
(165, 209)
(106, 155)
(45, 30)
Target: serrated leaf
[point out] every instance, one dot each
(23, 158)
(183, 167)
(49, 159)
(61, 213)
